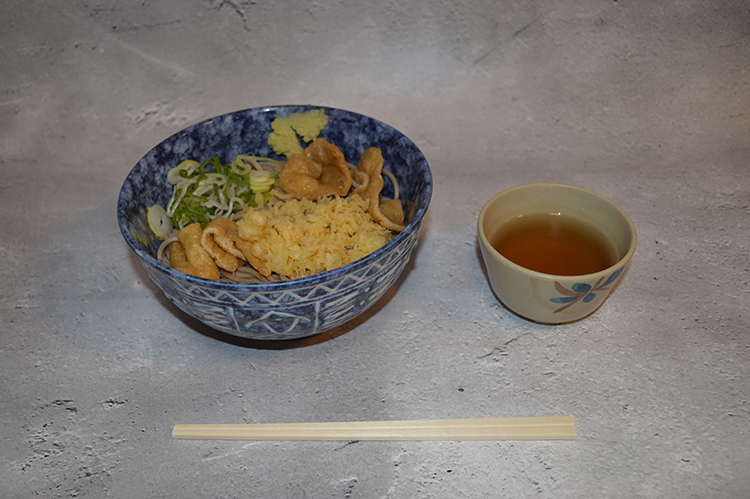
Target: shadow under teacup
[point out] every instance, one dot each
(554, 252)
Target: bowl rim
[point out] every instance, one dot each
(621, 263)
(307, 281)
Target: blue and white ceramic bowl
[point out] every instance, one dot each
(279, 310)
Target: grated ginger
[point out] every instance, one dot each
(303, 237)
(307, 124)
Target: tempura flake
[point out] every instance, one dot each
(297, 238)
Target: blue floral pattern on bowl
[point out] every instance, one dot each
(575, 296)
(289, 309)
(582, 291)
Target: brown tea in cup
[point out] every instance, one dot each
(552, 243)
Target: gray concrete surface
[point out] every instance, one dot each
(645, 102)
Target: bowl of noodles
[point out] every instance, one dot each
(277, 223)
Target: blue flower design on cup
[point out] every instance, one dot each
(582, 291)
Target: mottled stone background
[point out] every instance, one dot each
(645, 102)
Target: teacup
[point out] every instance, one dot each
(551, 296)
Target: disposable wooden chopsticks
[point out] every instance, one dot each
(528, 428)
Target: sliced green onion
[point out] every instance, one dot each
(204, 191)
(183, 170)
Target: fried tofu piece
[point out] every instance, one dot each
(216, 241)
(369, 175)
(246, 247)
(187, 254)
(393, 210)
(320, 171)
